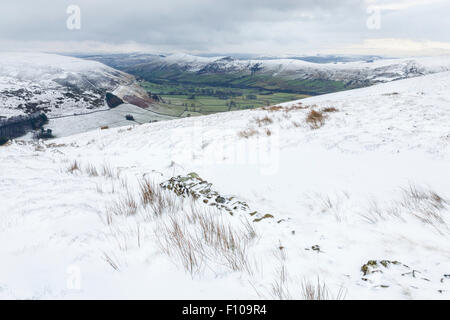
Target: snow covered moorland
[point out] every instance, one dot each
(338, 196)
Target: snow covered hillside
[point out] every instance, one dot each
(374, 71)
(347, 191)
(353, 73)
(57, 85)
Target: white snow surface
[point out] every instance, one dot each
(111, 118)
(344, 187)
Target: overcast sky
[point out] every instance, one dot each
(270, 27)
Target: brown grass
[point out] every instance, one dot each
(199, 238)
(108, 172)
(127, 206)
(75, 166)
(298, 106)
(272, 108)
(149, 192)
(264, 121)
(247, 133)
(280, 287)
(91, 170)
(104, 128)
(319, 291)
(330, 109)
(315, 119)
(425, 205)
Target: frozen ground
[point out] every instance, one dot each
(359, 204)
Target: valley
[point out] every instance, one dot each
(196, 99)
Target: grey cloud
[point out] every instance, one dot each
(208, 25)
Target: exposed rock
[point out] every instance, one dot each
(315, 248)
(221, 200)
(113, 100)
(267, 216)
(193, 186)
(387, 273)
(373, 266)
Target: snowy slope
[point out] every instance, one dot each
(360, 203)
(112, 118)
(57, 85)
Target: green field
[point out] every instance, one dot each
(189, 99)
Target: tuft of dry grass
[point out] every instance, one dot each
(149, 192)
(104, 128)
(91, 170)
(425, 205)
(108, 172)
(285, 287)
(156, 200)
(74, 166)
(280, 287)
(319, 291)
(315, 119)
(330, 109)
(263, 121)
(247, 133)
(298, 106)
(272, 108)
(199, 238)
(126, 206)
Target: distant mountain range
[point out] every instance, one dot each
(307, 75)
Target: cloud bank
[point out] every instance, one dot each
(244, 26)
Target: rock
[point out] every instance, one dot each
(193, 186)
(373, 266)
(194, 175)
(113, 100)
(222, 200)
(314, 248)
(267, 216)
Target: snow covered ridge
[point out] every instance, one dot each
(359, 72)
(57, 85)
(357, 200)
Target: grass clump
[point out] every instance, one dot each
(247, 133)
(315, 119)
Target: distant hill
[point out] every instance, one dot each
(58, 85)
